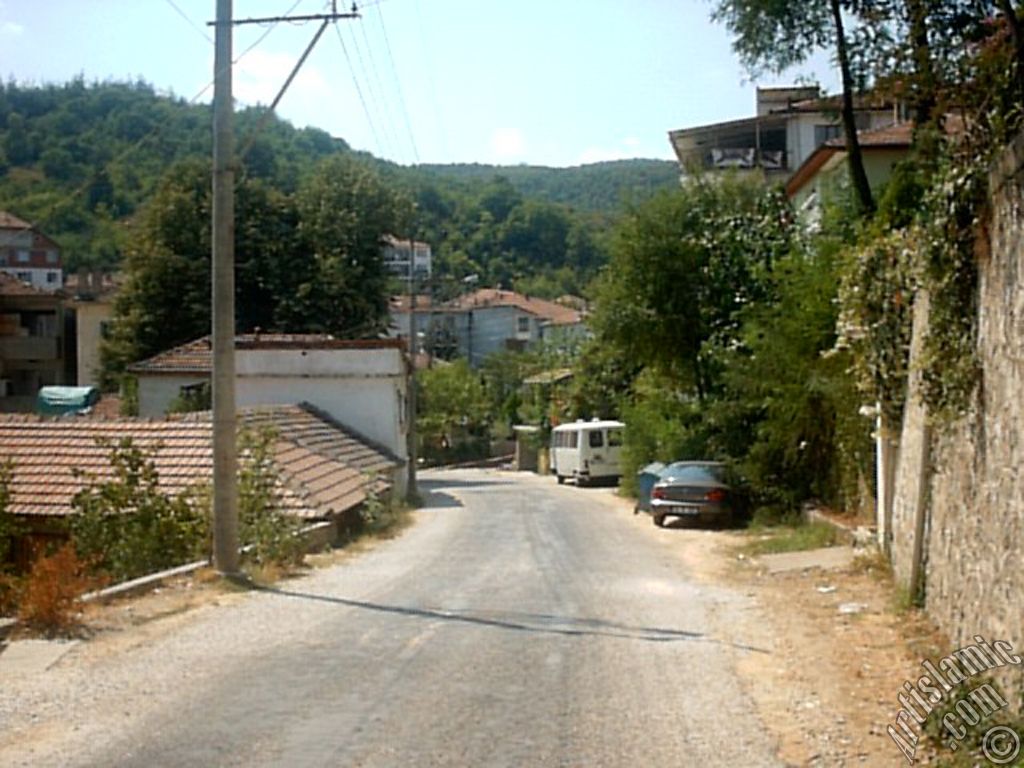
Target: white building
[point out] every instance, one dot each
(791, 122)
(402, 255)
(361, 384)
(28, 255)
(486, 321)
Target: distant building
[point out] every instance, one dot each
(486, 321)
(28, 255)
(791, 122)
(402, 255)
(32, 343)
(90, 299)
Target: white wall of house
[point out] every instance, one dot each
(89, 320)
(483, 331)
(158, 391)
(363, 389)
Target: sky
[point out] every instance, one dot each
(539, 82)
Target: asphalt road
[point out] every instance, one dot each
(518, 623)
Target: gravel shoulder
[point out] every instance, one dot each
(828, 690)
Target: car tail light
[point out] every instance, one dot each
(716, 495)
(658, 493)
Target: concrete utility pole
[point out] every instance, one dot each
(225, 452)
(411, 490)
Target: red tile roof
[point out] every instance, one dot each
(495, 297)
(324, 469)
(195, 356)
(893, 137)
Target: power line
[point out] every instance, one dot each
(359, 91)
(380, 87)
(375, 99)
(263, 37)
(398, 86)
(191, 23)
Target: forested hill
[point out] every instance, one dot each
(81, 161)
(598, 187)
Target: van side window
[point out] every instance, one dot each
(574, 439)
(614, 438)
(597, 439)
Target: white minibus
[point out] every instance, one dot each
(587, 450)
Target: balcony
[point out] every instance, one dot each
(29, 348)
(722, 158)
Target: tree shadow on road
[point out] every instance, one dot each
(525, 622)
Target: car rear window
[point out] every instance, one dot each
(695, 473)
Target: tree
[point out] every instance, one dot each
(683, 265)
(777, 34)
(452, 405)
(344, 211)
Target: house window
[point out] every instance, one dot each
(524, 325)
(51, 257)
(823, 133)
(105, 326)
(22, 256)
(51, 277)
(25, 277)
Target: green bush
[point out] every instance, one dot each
(127, 527)
(269, 535)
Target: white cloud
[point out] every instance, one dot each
(508, 143)
(11, 29)
(259, 76)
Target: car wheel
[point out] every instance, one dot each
(561, 479)
(659, 520)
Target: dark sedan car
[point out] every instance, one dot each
(695, 490)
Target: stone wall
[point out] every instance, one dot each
(973, 498)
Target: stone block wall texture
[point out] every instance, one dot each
(974, 538)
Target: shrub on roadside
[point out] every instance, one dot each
(270, 534)
(51, 599)
(128, 527)
(10, 593)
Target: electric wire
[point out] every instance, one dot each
(359, 92)
(398, 87)
(374, 98)
(188, 19)
(385, 108)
